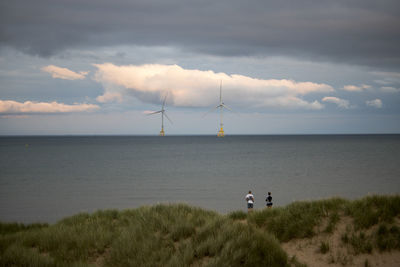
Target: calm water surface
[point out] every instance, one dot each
(48, 178)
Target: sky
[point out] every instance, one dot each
(73, 67)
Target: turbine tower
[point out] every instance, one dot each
(163, 113)
(221, 106)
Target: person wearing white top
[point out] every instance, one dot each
(250, 201)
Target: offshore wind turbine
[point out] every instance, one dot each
(163, 113)
(221, 106)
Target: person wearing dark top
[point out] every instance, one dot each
(269, 200)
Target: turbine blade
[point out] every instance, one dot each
(225, 106)
(231, 110)
(168, 118)
(154, 112)
(220, 92)
(212, 109)
(165, 100)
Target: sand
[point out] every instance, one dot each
(308, 250)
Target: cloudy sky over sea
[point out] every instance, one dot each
(286, 67)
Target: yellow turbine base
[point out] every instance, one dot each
(221, 133)
(162, 133)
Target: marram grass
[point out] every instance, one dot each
(180, 235)
(162, 235)
(299, 219)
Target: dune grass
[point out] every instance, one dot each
(372, 210)
(298, 219)
(162, 235)
(375, 221)
(180, 235)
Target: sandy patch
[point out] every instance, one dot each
(308, 250)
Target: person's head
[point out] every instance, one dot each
(249, 191)
(269, 193)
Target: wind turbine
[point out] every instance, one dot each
(221, 106)
(163, 113)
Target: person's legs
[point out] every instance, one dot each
(249, 207)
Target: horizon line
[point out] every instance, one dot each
(182, 135)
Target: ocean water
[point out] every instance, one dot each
(43, 179)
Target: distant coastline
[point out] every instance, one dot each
(188, 135)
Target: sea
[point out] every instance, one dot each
(47, 178)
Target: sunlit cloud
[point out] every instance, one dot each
(198, 88)
(64, 73)
(376, 103)
(355, 88)
(341, 103)
(14, 107)
(109, 97)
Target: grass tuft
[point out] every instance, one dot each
(10, 228)
(324, 247)
(361, 243)
(334, 218)
(372, 210)
(388, 238)
(238, 215)
(296, 220)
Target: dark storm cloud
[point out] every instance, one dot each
(359, 31)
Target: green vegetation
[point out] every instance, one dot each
(372, 210)
(361, 243)
(162, 235)
(388, 238)
(180, 235)
(9, 228)
(334, 218)
(238, 215)
(324, 247)
(375, 222)
(298, 219)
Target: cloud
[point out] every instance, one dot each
(198, 88)
(14, 107)
(342, 103)
(389, 89)
(64, 73)
(387, 78)
(376, 103)
(109, 97)
(354, 88)
(359, 31)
